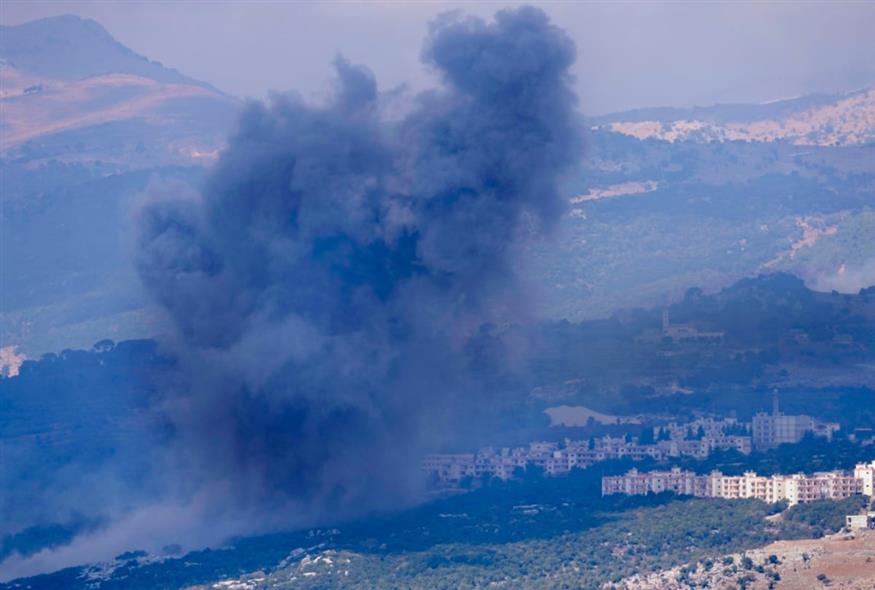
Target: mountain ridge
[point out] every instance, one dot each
(88, 50)
(62, 78)
(730, 111)
(838, 119)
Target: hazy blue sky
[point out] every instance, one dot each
(630, 54)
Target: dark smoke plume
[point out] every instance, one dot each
(326, 281)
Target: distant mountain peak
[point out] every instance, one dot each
(70, 92)
(68, 47)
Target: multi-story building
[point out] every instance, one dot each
(794, 489)
(636, 483)
(685, 448)
(771, 430)
(832, 485)
(742, 444)
(865, 472)
(748, 485)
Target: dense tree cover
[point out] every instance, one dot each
(720, 211)
(819, 518)
(774, 327)
(638, 540)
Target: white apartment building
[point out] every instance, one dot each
(637, 483)
(832, 485)
(750, 485)
(794, 489)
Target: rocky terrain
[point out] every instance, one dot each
(845, 561)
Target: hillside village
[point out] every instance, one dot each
(696, 439)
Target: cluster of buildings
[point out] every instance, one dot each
(556, 459)
(794, 489)
(765, 431)
(723, 434)
(696, 439)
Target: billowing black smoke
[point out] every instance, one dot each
(326, 282)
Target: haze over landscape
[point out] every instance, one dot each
(634, 54)
(406, 321)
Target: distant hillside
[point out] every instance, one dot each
(649, 218)
(839, 119)
(87, 125)
(71, 92)
(759, 333)
(71, 48)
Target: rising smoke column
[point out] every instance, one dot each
(325, 282)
